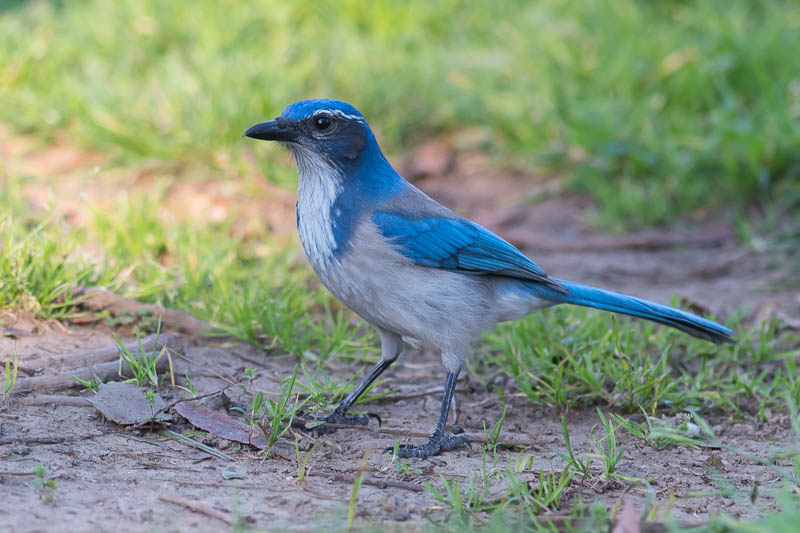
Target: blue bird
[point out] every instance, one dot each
(409, 266)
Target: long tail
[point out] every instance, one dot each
(628, 305)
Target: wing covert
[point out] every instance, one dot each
(459, 245)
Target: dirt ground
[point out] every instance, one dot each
(110, 478)
(113, 479)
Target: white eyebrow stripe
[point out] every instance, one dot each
(337, 113)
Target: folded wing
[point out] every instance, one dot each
(458, 245)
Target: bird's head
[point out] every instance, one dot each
(330, 129)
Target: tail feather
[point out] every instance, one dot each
(628, 305)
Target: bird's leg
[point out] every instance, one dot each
(391, 343)
(339, 414)
(438, 442)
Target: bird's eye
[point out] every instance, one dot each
(322, 123)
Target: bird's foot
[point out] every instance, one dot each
(434, 446)
(328, 424)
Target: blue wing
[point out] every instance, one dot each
(459, 245)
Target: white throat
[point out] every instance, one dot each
(318, 187)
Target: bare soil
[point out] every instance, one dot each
(111, 478)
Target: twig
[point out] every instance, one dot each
(106, 371)
(142, 440)
(102, 300)
(231, 484)
(31, 440)
(69, 380)
(194, 443)
(109, 353)
(244, 486)
(197, 507)
(410, 395)
(59, 399)
(213, 373)
(163, 466)
(375, 482)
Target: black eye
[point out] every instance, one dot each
(322, 123)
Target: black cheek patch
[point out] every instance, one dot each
(353, 132)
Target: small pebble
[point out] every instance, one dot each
(20, 449)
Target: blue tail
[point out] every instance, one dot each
(628, 305)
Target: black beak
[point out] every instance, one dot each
(273, 130)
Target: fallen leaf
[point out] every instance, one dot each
(126, 404)
(16, 333)
(221, 425)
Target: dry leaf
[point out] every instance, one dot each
(220, 425)
(126, 404)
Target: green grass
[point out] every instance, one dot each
(9, 379)
(525, 505)
(277, 416)
(44, 484)
(656, 108)
(142, 365)
(249, 287)
(524, 492)
(37, 272)
(594, 518)
(582, 357)
(522, 502)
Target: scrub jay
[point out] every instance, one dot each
(411, 267)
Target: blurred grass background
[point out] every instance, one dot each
(655, 108)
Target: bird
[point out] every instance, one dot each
(412, 268)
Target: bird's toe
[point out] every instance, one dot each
(330, 423)
(433, 447)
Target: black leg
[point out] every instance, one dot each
(438, 442)
(340, 416)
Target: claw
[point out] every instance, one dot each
(376, 417)
(456, 441)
